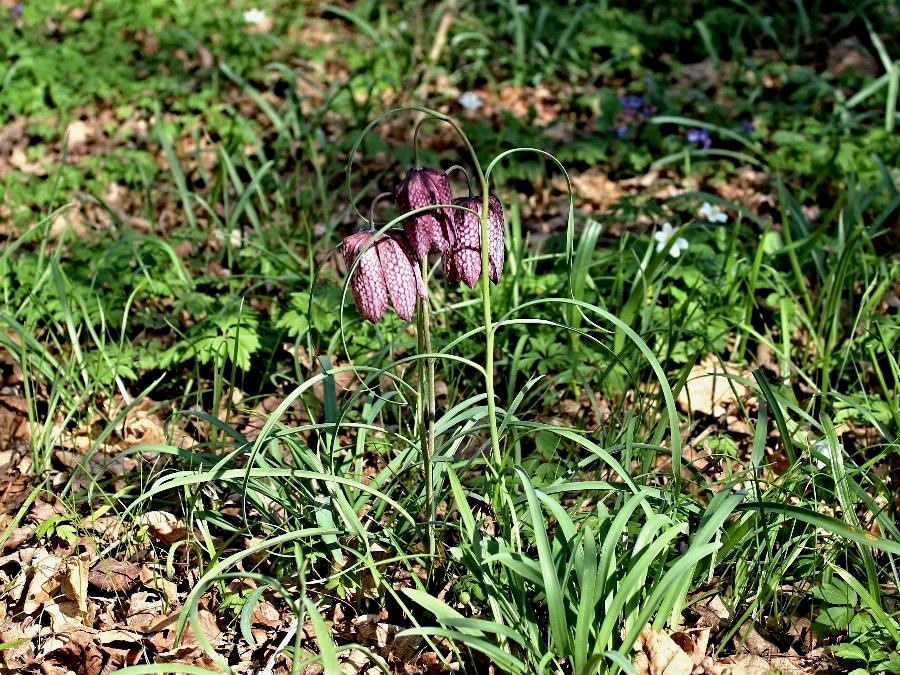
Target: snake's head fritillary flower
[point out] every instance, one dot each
(387, 273)
(427, 231)
(462, 261)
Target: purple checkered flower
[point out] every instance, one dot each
(462, 261)
(427, 231)
(387, 273)
(699, 137)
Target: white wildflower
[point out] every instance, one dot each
(713, 213)
(470, 101)
(822, 448)
(255, 16)
(664, 235)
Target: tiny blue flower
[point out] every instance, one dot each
(621, 131)
(700, 137)
(631, 102)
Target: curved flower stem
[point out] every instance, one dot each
(374, 203)
(496, 454)
(427, 417)
(419, 124)
(458, 167)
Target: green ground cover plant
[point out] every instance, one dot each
(617, 394)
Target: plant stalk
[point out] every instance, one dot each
(427, 417)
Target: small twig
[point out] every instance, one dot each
(440, 36)
(270, 664)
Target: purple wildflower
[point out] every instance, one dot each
(699, 137)
(622, 131)
(462, 261)
(426, 231)
(387, 273)
(631, 102)
(17, 10)
(747, 127)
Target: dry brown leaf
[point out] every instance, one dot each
(113, 575)
(658, 654)
(44, 583)
(693, 642)
(752, 639)
(596, 188)
(143, 610)
(752, 664)
(355, 662)
(265, 614)
(19, 160)
(164, 526)
(713, 612)
(14, 485)
(709, 390)
(154, 579)
(21, 649)
(77, 133)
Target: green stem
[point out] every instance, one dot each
(496, 455)
(488, 327)
(419, 124)
(427, 415)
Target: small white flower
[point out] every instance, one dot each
(470, 101)
(821, 446)
(713, 213)
(663, 236)
(255, 16)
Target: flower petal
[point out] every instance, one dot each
(366, 281)
(399, 273)
(496, 237)
(401, 239)
(464, 261)
(421, 188)
(466, 251)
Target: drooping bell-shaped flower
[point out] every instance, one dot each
(427, 231)
(462, 261)
(387, 273)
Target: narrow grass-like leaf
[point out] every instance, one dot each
(327, 650)
(552, 590)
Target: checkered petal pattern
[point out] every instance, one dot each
(462, 261)
(426, 231)
(387, 273)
